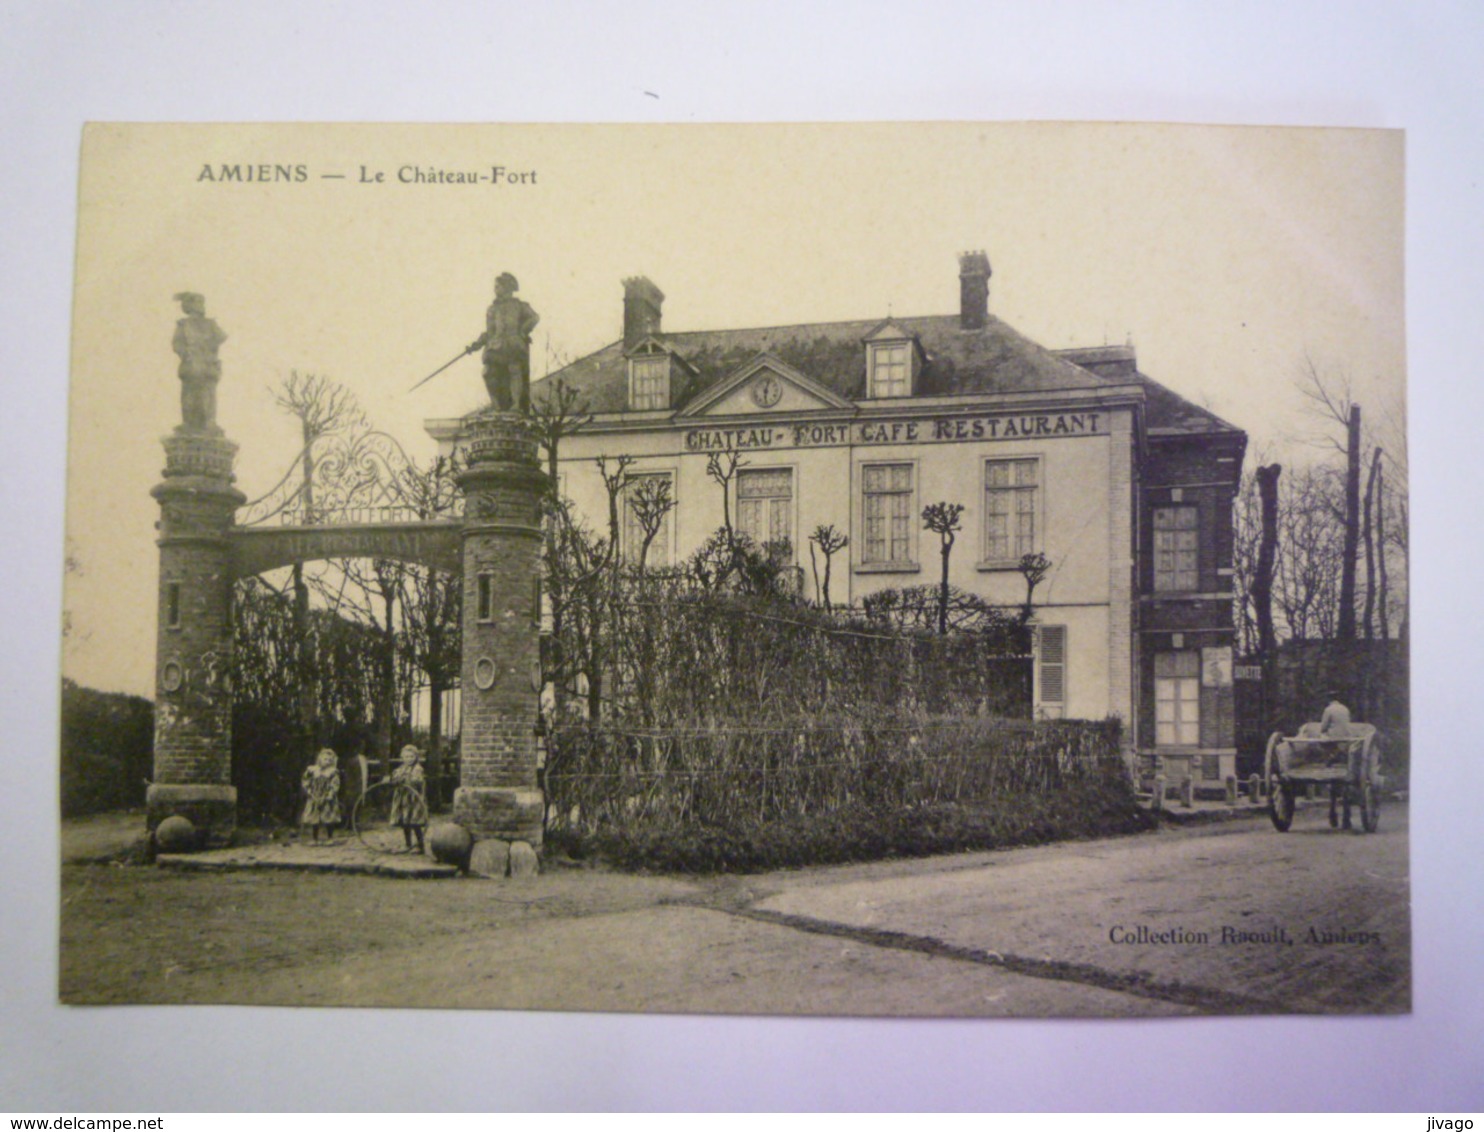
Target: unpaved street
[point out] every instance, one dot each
(1232, 917)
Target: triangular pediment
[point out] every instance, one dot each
(887, 330)
(648, 346)
(766, 384)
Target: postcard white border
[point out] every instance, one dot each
(1290, 63)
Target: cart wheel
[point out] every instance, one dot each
(1280, 794)
(1280, 806)
(1370, 806)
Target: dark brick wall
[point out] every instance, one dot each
(498, 746)
(1205, 473)
(498, 795)
(1201, 472)
(193, 721)
(193, 640)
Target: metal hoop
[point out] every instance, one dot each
(355, 816)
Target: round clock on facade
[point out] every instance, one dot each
(766, 390)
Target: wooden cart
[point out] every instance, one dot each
(1350, 766)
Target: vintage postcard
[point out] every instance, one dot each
(901, 569)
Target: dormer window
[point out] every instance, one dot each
(649, 382)
(890, 369)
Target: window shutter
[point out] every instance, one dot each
(1052, 695)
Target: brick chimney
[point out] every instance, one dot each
(973, 290)
(641, 309)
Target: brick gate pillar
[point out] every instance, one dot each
(498, 799)
(193, 651)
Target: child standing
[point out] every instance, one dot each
(321, 785)
(409, 797)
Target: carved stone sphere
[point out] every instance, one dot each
(176, 834)
(450, 843)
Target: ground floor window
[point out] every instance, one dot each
(765, 503)
(1177, 699)
(888, 513)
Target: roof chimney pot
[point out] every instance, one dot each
(973, 290)
(642, 302)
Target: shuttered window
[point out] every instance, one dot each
(1051, 697)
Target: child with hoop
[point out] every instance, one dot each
(409, 797)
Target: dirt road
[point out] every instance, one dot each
(1225, 918)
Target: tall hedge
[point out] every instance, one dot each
(747, 731)
(107, 749)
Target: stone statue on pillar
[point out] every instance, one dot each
(197, 339)
(507, 347)
(191, 784)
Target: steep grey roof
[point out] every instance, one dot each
(1166, 412)
(995, 359)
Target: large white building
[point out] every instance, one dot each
(1123, 485)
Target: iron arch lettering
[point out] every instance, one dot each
(434, 544)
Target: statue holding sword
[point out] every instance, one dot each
(506, 342)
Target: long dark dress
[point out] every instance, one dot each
(322, 796)
(409, 802)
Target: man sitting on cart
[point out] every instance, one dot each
(1335, 722)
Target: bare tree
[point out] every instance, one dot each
(389, 580)
(1307, 584)
(1331, 398)
(1381, 544)
(1368, 505)
(650, 500)
(1388, 432)
(557, 412)
(829, 541)
(614, 483)
(1246, 541)
(721, 559)
(722, 467)
(943, 519)
(582, 583)
(322, 406)
(1033, 568)
(1262, 581)
(1307, 521)
(433, 599)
